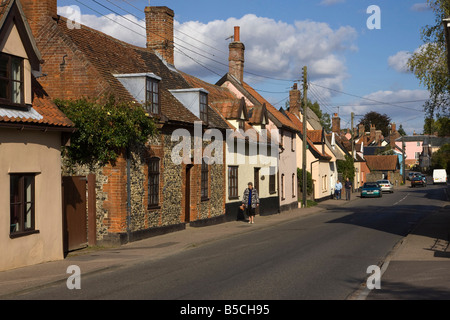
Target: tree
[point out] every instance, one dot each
(441, 126)
(309, 184)
(429, 63)
(441, 158)
(401, 131)
(346, 167)
(325, 119)
(381, 122)
(104, 130)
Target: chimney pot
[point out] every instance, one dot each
(237, 34)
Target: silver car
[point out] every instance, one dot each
(386, 186)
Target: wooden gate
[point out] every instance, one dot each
(75, 213)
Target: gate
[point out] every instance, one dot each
(75, 214)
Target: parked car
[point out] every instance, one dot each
(411, 174)
(418, 180)
(386, 186)
(439, 176)
(371, 189)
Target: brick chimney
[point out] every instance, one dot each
(361, 130)
(38, 12)
(336, 124)
(393, 128)
(159, 29)
(295, 100)
(372, 131)
(236, 57)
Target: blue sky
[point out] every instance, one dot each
(352, 68)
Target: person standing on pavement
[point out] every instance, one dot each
(348, 189)
(338, 189)
(250, 201)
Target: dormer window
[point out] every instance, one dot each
(204, 107)
(11, 80)
(152, 96)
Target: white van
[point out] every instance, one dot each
(439, 176)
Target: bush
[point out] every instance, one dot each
(309, 183)
(104, 130)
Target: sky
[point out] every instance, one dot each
(352, 66)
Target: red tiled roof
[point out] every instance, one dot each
(276, 113)
(111, 56)
(382, 163)
(50, 115)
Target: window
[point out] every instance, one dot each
(22, 204)
(204, 107)
(241, 125)
(282, 187)
(204, 178)
(11, 80)
(233, 183)
(293, 186)
(418, 143)
(417, 155)
(153, 182)
(152, 96)
(292, 141)
(272, 181)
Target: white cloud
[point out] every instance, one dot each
(274, 49)
(331, 2)
(420, 7)
(399, 61)
(404, 107)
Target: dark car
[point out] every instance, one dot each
(418, 180)
(371, 189)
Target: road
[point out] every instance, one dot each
(322, 256)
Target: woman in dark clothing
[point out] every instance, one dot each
(250, 201)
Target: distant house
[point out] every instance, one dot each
(384, 167)
(246, 144)
(32, 130)
(286, 130)
(414, 147)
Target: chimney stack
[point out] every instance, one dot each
(236, 57)
(38, 12)
(336, 124)
(295, 100)
(159, 29)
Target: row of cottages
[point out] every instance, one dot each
(268, 156)
(147, 189)
(32, 131)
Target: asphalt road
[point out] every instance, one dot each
(322, 256)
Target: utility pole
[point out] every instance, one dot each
(403, 159)
(352, 132)
(305, 116)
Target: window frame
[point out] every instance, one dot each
(204, 185)
(272, 181)
(150, 104)
(8, 101)
(153, 185)
(283, 190)
(233, 182)
(22, 202)
(203, 107)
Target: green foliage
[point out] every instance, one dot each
(105, 130)
(401, 131)
(325, 119)
(381, 122)
(309, 182)
(346, 167)
(441, 125)
(429, 63)
(441, 158)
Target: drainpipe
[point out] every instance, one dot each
(128, 194)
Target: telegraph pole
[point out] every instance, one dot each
(352, 132)
(305, 116)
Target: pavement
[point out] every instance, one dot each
(419, 265)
